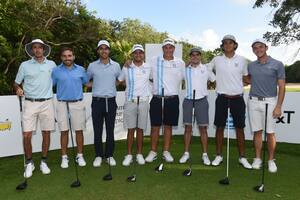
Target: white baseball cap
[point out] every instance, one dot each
(101, 42)
(259, 40)
(137, 47)
(229, 37)
(28, 48)
(168, 41)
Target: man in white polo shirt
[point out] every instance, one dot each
(34, 81)
(266, 74)
(196, 77)
(231, 70)
(137, 89)
(167, 74)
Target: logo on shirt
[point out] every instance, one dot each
(236, 64)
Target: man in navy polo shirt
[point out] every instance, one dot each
(69, 78)
(104, 73)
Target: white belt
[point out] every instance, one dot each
(262, 98)
(142, 99)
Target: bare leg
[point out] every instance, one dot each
(79, 141)
(130, 138)
(139, 140)
(271, 145)
(241, 141)
(27, 144)
(46, 143)
(257, 140)
(219, 140)
(187, 137)
(154, 137)
(204, 138)
(167, 137)
(64, 139)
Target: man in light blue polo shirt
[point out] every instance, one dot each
(33, 81)
(69, 78)
(104, 73)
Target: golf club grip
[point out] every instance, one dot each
(138, 100)
(162, 92)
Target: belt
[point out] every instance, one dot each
(166, 97)
(231, 96)
(103, 98)
(38, 100)
(258, 98)
(70, 101)
(197, 99)
(134, 100)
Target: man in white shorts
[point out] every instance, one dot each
(196, 77)
(33, 81)
(137, 85)
(69, 78)
(265, 74)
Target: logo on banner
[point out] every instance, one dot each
(229, 122)
(5, 125)
(286, 118)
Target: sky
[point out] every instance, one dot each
(201, 22)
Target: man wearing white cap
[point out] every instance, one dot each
(137, 101)
(196, 77)
(167, 75)
(265, 74)
(231, 71)
(104, 73)
(34, 81)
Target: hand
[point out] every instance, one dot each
(20, 92)
(89, 84)
(128, 63)
(277, 112)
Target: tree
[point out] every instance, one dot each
(293, 73)
(286, 18)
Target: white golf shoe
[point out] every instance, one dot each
(243, 161)
(140, 159)
(29, 170)
(97, 162)
(80, 160)
(44, 168)
(127, 160)
(111, 161)
(64, 162)
(168, 157)
(272, 166)
(184, 158)
(151, 156)
(205, 159)
(257, 163)
(217, 161)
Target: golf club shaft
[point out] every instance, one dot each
(162, 121)
(193, 123)
(72, 139)
(136, 130)
(24, 156)
(264, 146)
(227, 155)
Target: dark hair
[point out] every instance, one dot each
(63, 49)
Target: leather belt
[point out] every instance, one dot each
(38, 100)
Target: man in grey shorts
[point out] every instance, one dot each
(137, 85)
(196, 77)
(265, 74)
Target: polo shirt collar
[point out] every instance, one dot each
(133, 65)
(34, 61)
(234, 56)
(65, 67)
(268, 61)
(109, 62)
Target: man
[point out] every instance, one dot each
(137, 86)
(33, 81)
(69, 78)
(266, 74)
(231, 70)
(196, 77)
(167, 74)
(104, 73)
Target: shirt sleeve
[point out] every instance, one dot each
(20, 75)
(121, 77)
(245, 67)
(211, 65)
(85, 78)
(280, 71)
(89, 72)
(182, 70)
(118, 70)
(211, 75)
(53, 76)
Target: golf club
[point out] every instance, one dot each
(188, 172)
(225, 181)
(76, 183)
(261, 188)
(132, 178)
(160, 167)
(107, 177)
(23, 185)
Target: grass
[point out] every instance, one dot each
(203, 184)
